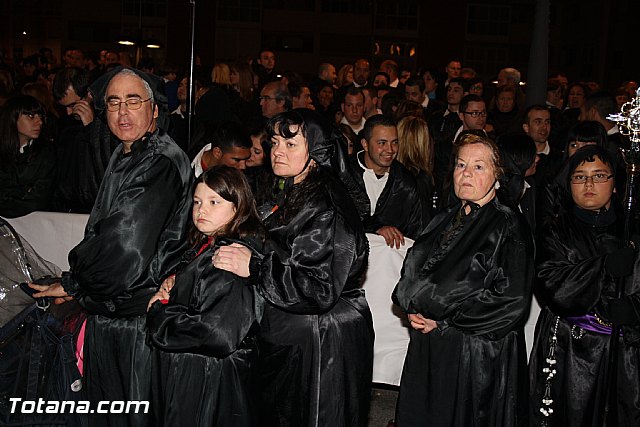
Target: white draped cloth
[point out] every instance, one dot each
(389, 322)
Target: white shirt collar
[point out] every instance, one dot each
(546, 150)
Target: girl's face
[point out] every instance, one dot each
(210, 211)
(29, 126)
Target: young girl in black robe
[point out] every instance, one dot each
(580, 257)
(202, 322)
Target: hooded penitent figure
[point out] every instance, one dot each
(316, 337)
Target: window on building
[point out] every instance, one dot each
(149, 8)
(290, 42)
(342, 6)
(393, 48)
(488, 20)
(397, 15)
(99, 32)
(299, 5)
(239, 10)
(486, 60)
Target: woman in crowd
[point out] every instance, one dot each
(430, 77)
(258, 171)
(27, 159)
(326, 95)
(316, 337)
(580, 257)
(244, 105)
(576, 97)
(517, 186)
(466, 286)
(204, 326)
(345, 76)
(415, 152)
(505, 116)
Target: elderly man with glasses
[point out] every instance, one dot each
(274, 99)
(133, 240)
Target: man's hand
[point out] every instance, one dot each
(392, 236)
(422, 324)
(55, 290)
(234, 258)
(83, 111)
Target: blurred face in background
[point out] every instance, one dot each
(576, 97)
(506, 101)
(257, 153)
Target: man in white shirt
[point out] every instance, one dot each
(396, 209)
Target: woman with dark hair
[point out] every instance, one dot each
(466, 287)
(585, 133)
(27, 160)
(580, 256)
(577, 93)
(245, 105)
(519, 159)
(202, 321)
(316, 337)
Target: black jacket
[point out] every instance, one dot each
(399, 204)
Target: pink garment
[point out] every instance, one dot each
(80, 347)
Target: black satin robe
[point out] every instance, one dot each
(471, 370)
(572, 281)
(316, 336)
(201, 368)
(134, 236)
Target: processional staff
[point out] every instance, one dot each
(628, 121)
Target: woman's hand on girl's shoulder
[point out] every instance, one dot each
(234, 258)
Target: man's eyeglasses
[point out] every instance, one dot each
(266, 98)
(131, 103)
(598, 178)
(475, 113)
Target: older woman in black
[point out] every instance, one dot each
(27, 161)
(466, 286)
(580, 256)
(316, 337)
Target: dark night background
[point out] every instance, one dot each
(588, 40)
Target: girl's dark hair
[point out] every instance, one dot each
(518, 154)
(587, 131)
(9, 138)
(231, 185)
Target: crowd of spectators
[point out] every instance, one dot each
(400, 133)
